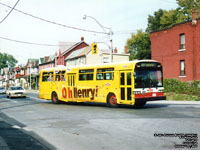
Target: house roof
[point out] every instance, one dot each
(80, 52)
(198, 19)
(33, 62)
(72, 47)
(65, 45)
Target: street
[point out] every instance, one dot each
(94, 126)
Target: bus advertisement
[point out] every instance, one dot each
(130, 83)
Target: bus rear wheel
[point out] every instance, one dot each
(54, 98)
(112, 100)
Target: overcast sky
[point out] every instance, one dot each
(124, 16)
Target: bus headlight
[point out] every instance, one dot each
(136, 92)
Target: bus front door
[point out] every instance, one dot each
(126, 81)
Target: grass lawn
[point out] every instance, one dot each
(181, 97)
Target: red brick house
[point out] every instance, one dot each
(178, 49)
(73, 48)
(65, 49)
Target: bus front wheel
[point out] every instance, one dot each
(140, 104)
(54, 98)
(112, 100)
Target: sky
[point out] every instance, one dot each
(123, 16)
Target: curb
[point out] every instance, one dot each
(176, 102)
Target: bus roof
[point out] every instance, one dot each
(61, 67)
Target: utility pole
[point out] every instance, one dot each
(30, 76)
(111, 45)
(110, 33)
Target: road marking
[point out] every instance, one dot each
(27, 129)
(16, 127)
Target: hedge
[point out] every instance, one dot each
(190, 88)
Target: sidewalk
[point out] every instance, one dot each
(32, 91)
(176, 102)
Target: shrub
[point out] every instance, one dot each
(190, 88)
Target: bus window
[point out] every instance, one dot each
(122, 79)
(105, 74)
(99, 76)
(47, 76)
(128, 78)
(60, 75)
(86, 74)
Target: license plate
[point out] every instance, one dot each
(19, 95)
(154, 94)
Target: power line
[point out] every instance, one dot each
(52, 22)
(31, 43)
(9, 12)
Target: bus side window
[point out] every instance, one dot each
(82, 77)
(105, 74)
(57, 78)
(45, 76)
(99, 76)
(86, 74)
(60, 76)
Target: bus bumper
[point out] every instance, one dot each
(150, 99)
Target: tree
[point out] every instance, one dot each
(154, 21)
(186, 7)
(7, 60)
(139, 45)
(164, 19)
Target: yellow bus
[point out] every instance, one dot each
(132, 83)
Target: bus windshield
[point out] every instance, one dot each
(148, 78)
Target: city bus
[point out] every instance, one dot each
(130, 83)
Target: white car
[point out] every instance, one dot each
(16, 91)
(2, 90)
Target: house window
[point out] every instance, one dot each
(182, 41)
(105, 59)
(82, 60)
(182, 67)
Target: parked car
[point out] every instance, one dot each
(16, 91)
(2, 90)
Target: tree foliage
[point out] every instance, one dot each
(139, 45)
(164, 19)
(186, 6)
(7, 60)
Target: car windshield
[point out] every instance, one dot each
(1, 88)
(16, 88)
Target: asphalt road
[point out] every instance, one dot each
(158, 126)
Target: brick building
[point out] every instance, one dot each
(178, 49)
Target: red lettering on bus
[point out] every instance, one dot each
(64, 92)
(69, 93)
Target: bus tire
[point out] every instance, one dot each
(140, 104)
(112, 100)
(54, 98)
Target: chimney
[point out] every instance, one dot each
(126, 49)
(115, 50)
(195, 14)
(82, 38)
